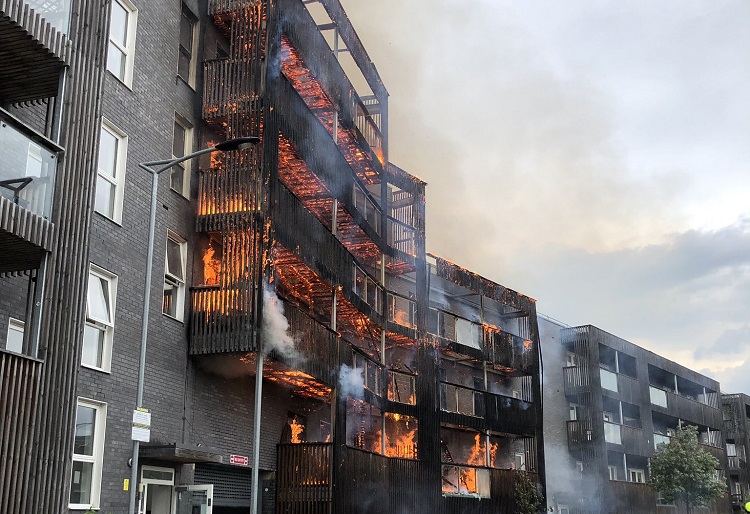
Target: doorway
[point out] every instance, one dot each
(158, 489)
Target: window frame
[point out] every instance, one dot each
(120, 169)
(108, 328)
(173, 280)
(129, 49)
(190, 80)
(638, 473)
(185, 166)
(97, 457)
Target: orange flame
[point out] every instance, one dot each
(297, 429)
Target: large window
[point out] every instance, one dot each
(122, 40)
(188, 41)
(100, 319)
(182, 144)
(174, 276)
(88, 447)
(113, 145)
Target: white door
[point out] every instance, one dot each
(194, 499)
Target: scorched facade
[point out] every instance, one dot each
(296, 293)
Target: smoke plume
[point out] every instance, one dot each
(275, 334)
(351, 382)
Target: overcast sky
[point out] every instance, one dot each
(594, 155)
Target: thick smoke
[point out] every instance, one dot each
(275, 334)
(351, 382)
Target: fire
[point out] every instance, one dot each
(211, 267)
(478, 455)
(297, 429)
(400, 437)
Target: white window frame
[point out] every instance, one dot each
(639, 474)
(15, 325)
(97, 458)
(109, 328)
(612, 472)
(193, 64)
(129, 49)
(172, 279)
(120, 166)
(185, 166)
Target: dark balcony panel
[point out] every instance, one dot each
(221, 321)
(510, 351)
(303, 478)
(638, 497)
(576, 380)
(509, 415)
(33, 48)
(316, 345)
(580, 435)
(634, 441)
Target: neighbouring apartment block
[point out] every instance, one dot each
(736, 415)
(609, 404)
(392, 380)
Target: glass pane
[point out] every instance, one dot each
(97, 302)
(116, 61)
(183, 65)
(93, 345)
(118, 25)
(174, 258)
(177, 178)
(85, 425)
(186, 32)
(108, 153)
(178, 141)
(467, 333)
(104, 201)
(612, 433)
(14, 342)
(169, 302)
(80, 482)
(658, 397)
(609, 379)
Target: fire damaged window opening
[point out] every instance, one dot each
(365, 425)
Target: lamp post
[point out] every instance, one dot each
(155, 168)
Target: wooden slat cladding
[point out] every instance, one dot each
(19, 390)
(51, 442)
(303, 478)
(316, 344)
(24, 237)
(32, 54)
(510, 351)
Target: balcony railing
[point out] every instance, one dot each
(368, 128)
(454, 328)
(366, 206)
(27, 175)
(303, 477)
(368, 289)
(579, 434)
(221, 320)
(402, 237)
(658, 396)
(576, 380)
(735, 462)
(55, 12)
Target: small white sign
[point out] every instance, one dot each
(141, 425)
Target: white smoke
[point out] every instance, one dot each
(351, 382)
(275, 333)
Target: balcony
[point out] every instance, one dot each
(461, 400)
(736, 463)
(32, 39)
(579, 434)
(576, 380)
(303, 477)
(27, 183)
(221, 320)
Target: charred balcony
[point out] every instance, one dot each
(33, 48)
(27, 183)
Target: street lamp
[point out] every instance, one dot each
(230, 145)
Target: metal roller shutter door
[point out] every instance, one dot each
(232, 485)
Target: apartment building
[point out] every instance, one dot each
(51, 71)
(736, 415)
(303, 350)
(608, 405)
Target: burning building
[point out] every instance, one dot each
(305, 346)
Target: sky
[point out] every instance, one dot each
(594, 155)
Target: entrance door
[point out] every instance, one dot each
(156, 487)
(195, 499)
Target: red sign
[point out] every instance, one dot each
(239, 460)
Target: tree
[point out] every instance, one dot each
(682, 471)
(526, 495)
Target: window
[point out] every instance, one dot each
(579, 466)
(608, 379)
(570, 360)
(519, 461)
(731, 449)
(100, 317)
(612, 472)
(182, 144)
(122, 40)
(174, 276)
(637, 475)
(88, 447)
(573, 412)
(113, 144)
(188, 41)
(14, 342)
